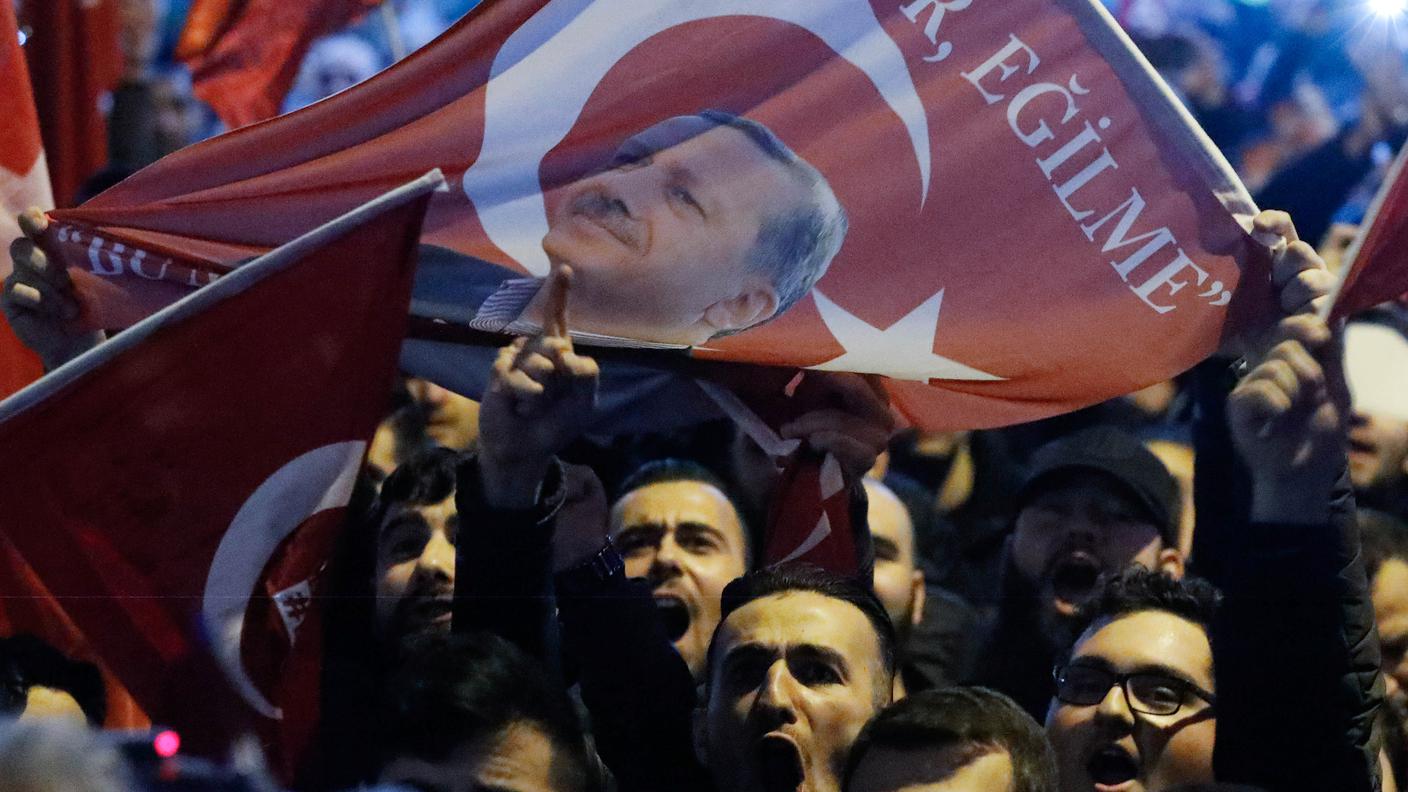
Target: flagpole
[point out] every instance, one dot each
(393, 30)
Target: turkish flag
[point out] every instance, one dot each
(1035, 224)
(24, 182)
(75, 57)
(178, 488)
(27, 607)
(244, 54)
(1376, 264)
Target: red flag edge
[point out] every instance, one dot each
(223, 289)
(1350, 266)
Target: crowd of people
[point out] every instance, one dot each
(1199, 586)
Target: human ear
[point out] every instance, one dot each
(743, 310)
(1171, 563)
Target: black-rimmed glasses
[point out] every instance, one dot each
(1146, 692)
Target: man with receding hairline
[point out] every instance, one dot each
(801, 660)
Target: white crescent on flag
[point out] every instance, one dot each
(546, 71)
(319, 480)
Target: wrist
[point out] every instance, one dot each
(1290, 500)
(511, 484)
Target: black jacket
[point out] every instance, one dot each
(1295, 653)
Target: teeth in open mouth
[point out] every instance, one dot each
(1112, 767)
(674, 616)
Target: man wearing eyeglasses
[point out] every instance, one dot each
(1133, 710)
(1293, 691)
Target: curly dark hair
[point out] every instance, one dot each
(1137, 589)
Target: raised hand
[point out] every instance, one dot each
(540, 397)
(1288, 419)
(856, 430)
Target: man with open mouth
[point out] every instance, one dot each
(1092, 504)
(417, 526)
(677, 526)
(1133, 710)
(801, 660)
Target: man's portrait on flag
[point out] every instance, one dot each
(699, 226)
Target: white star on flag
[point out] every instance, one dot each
(903, 351)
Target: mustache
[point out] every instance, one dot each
(610, 213)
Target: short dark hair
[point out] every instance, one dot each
(665, 471)
(426, 478)
(27, 661)
(1137, 589)
(976, 720)
(1382, 537)
(793, 248)
(786, 578)
(452, 690)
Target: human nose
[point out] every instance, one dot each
(1114, 709)
(665, 564)
(437, 558)
(775, 698)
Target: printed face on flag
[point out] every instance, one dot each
(995, 205)
(684, 240)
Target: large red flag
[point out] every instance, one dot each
(178, 488)
(24, 182)
(75, 57)
(1376, 264)
(1035, 224)
(244, 54)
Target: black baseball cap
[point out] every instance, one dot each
(1121, 457)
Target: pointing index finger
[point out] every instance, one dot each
(555, 315)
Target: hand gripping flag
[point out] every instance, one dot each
(24, 182)
(177, 489)
(1376, 264)
(244, 54)
(1031, 222)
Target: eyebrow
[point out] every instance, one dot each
(700, 527)
(883, 546)
(633, 529)
(823, 653)
(406, 520)
(1145, 668)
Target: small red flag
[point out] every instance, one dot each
(75, 58)
(245, 55)
(178, 488)
(1376, 265)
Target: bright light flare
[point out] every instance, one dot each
(1388, 8)
(166, 744)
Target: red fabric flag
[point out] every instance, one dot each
(74, 57)
(27, 607)
(1376, 264)
(1035, 224)
(24, 182)
(245, 55)
(178, 488)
